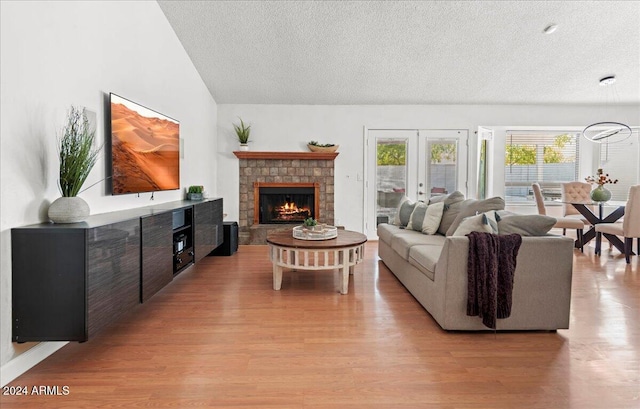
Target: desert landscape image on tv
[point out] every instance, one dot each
(145, 149)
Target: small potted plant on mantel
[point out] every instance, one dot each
(195, 192)
(242, 132)
(314, 146)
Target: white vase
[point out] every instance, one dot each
(68, 210)
(244, 146)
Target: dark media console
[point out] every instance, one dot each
(69, 281)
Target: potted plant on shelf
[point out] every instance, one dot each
(314, 146)
(242, 132)
(600, 193)
(195, 192)
(77, 156)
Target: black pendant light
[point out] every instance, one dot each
(607, 131)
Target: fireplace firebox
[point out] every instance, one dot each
(280, 203)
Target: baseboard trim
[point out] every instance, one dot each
(27, 360)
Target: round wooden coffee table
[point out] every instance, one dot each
(343, 252)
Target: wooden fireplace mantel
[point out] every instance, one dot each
(286, 155)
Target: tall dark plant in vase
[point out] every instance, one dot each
(77, 155)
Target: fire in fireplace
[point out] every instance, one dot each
(286, 204)
(291, 211)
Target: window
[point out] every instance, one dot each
(548, 158)
(620, 161)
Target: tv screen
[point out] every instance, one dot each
(145, 148)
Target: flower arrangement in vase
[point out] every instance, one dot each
(600, 193)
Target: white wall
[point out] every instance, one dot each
(290, 127)
(55, 54)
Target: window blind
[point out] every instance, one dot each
(547, 157)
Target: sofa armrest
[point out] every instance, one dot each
(542, 282)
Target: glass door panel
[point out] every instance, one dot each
(441, 157)
(391, 176)
(442, 168)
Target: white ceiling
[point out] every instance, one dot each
(411, 52)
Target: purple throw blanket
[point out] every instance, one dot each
(490, 269)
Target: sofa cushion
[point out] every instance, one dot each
(453, 197)
(387, 231)
(402, 243)
(405, 208)
(472, 207)
(525, 224)
(425, 257)
(485, 222)
(452, 205)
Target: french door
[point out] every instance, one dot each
(414, 163)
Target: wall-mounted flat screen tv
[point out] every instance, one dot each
(145, 148)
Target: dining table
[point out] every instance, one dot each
(588, 211)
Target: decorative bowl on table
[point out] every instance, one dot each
(318, 232)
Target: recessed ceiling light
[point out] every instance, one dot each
(608, 80)
(550, 28)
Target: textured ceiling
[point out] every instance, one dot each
(430, 52)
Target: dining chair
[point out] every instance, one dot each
(575, 192)
(563, 223)
(629, 228)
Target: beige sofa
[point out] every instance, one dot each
(433, 268)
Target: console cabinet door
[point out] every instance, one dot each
(157, 253)
(48, 284)
(69, 282)
(113, 272)
(217, 220)
(208, 227)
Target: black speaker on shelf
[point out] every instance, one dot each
(230, 243)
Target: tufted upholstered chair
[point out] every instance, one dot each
(577, 192)
(630, 226)
(563, 223)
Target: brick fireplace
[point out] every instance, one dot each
(277, 170)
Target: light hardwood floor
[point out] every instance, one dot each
(219, 336)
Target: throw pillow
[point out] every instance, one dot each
(432, 218)
(504, 213)
(491, 218)
(485, 222)
(525, 225)
(405, 208)
(452, 206)
(471, 207)
(417, 217)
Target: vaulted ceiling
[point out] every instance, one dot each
(412, 52)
